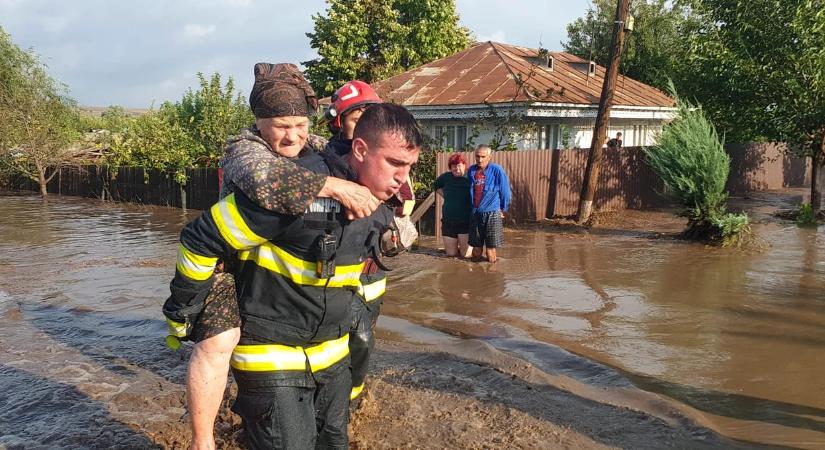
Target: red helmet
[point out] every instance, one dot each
(351, 95)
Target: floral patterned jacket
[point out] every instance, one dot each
(270, 180)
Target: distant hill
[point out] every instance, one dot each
(97, 111)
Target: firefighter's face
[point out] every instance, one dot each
(349, 121)
(286, 135)
(385, 166)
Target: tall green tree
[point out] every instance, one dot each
(38, 119)
(371, 40)
(760, 73)
(654, 49)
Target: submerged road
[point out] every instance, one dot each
(735, 339)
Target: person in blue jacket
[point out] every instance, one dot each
(490, 195)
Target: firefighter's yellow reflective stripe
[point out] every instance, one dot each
(409, 205)
(328, 353)
(278, 260)
(273, 357)
(232, 227)
(194, 266)
(373, 290)
(356, 391)
(176, 329)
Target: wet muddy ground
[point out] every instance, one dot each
(620, 336)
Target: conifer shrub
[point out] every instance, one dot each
(691, 161)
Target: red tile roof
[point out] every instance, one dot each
(487, 73)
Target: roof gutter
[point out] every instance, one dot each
(539, 110)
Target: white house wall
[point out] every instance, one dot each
(550, 133)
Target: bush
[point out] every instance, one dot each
(805, 216)
(732, 229)
(189, 133)
(423, 173)
(210, 115)
(152, 141)
(691, 161)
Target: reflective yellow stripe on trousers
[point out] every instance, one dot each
(274, 357)
(356, 391)
(373, 290)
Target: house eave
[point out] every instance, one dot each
(538, 110)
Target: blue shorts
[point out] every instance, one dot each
(486, 229)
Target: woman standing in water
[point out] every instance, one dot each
(454, 186)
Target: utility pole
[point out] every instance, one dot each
(594, 158)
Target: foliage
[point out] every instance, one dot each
(654, 49)
(188, 133)
(371, 40)
(319, 127)
(41, 128)
(763, 69)
(210, 115)
(115, 119)
(153, 140)
(432, 31)
(691, 161)
(806, 216)
(423, 172)
(38, 120)
(731, 230)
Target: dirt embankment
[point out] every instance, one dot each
(423, 399)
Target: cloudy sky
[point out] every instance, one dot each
(139, 53)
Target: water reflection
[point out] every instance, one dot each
(703, 326)
(739, 336)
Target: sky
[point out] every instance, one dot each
(139, 54)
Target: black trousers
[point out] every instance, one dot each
(361, 338)
(293, 417)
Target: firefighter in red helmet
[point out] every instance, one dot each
(348, 103)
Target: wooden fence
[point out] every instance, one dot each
(545, 183)
(132, 184)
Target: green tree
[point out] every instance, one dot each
(115, 119)
(431, 31)
(188, 133)
(654, 49)
(760, 73)
(691, 161)
(154, 141)
(38, 120)
(210, 115)
(371, 40)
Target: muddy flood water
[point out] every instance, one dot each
(733, 341)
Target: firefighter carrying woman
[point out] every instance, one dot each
(290, 299)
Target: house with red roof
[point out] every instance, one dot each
(523, 98)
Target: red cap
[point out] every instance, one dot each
(351, 95)
(456, 159)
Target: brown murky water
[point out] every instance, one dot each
(735, 340)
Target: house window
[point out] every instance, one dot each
(549, 136)
(452, 137)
